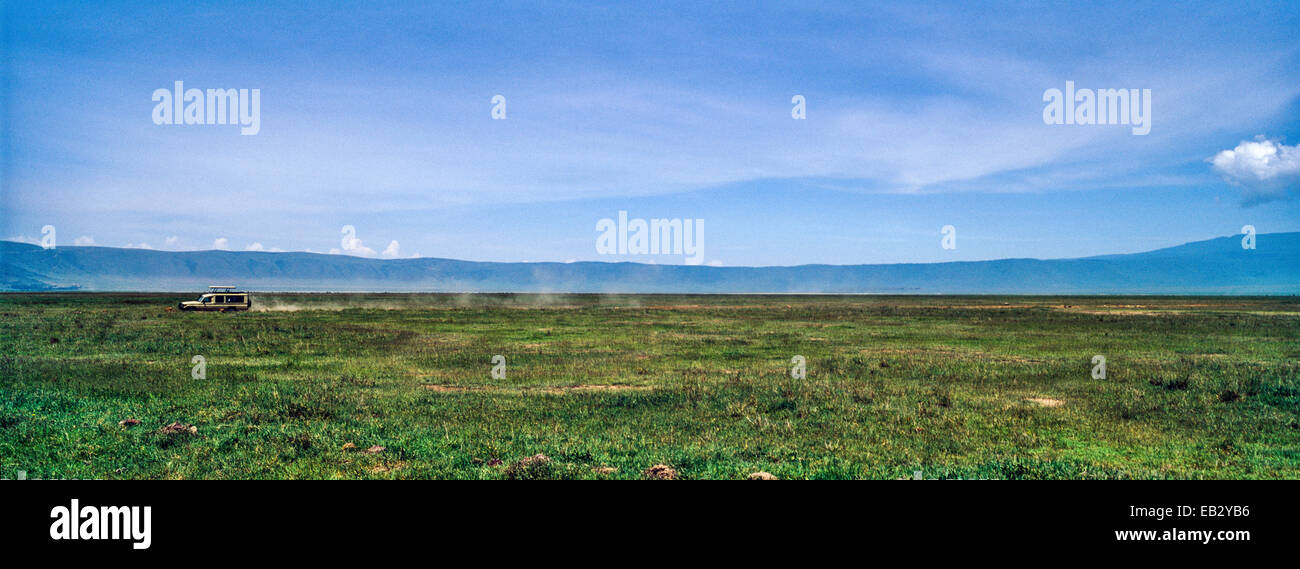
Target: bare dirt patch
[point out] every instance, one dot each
(1045, 401)
(660, 472)
(570, 388)
(179, 427)
(529, 468)
(450, 388)
(388, 467)
(558, 389)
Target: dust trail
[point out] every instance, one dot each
(264, 305)
(334, 302)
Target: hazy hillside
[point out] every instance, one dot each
(1215, 266)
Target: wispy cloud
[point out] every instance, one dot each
(907, 100)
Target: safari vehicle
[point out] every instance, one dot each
(220, 299)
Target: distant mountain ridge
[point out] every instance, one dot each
(1214, 266)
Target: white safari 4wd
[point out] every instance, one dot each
(220, 299)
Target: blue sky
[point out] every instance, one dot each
(917, 116)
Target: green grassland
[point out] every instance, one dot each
(609, 386)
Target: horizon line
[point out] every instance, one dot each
(626, 262)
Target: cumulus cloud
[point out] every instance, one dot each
(392, 250)
(352, 244)
(1265, 169)
(141, 245)
(221, 243)
(84, 241)
(254, 247)
(171, 241)
(360, 250)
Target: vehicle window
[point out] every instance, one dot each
(221, 300)
(238, 299)
(206, 298)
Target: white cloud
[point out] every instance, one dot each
(84, 241)
(172, 241)
(1265, 169)
(254, 247)
(392, 250)
(221, 243)
(141, 245)
(352, 244)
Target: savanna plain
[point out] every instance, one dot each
(649, 386)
